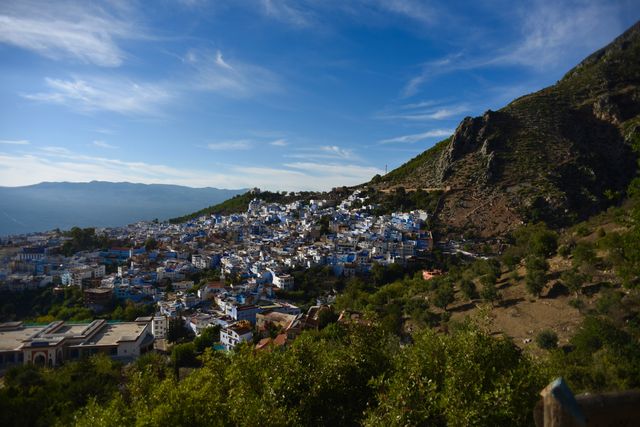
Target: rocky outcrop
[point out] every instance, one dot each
(558, 155)
(481, 135)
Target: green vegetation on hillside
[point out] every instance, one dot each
(240, 203)
(425, 160)
(558, 155)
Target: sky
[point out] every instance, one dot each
(281, 95)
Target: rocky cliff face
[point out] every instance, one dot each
(558, 155)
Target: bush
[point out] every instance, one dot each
(468, 289)
(564, 251)
(583, 230)
(547, 339)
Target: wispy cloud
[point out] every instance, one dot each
(14, 141)
(436, 133)
(552, 36)
(285, 11)
(101, 93)
(314, 14)
(220, 61)
(424, 12)
(419, 114)
(335, 151)
(324, 152)
(62, 29)
(348, 171)
(103, 144)
(54, 164)
(241, 144)
(553, 31)
(211, 72)
(279, 143)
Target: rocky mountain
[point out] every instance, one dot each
(50, 205)
(559, 155)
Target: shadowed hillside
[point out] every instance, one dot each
(559, 155)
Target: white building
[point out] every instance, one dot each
(233, 335)
(282, 280)
(159, 326)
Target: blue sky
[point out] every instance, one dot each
(283, 95)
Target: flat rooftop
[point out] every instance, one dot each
(71, 329)
(11, 340)
(112, 333)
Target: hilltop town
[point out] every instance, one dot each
(231, 271)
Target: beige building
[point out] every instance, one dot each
(52, 344)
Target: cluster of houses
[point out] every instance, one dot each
(253, 253)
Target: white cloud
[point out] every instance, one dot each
(61, 29)
(307, 175)
(285, 12)
(99, 93)
(416, 10)
(329, 152)
(57, 164)
(279, 143)
(220, 61)
(436, 133)
(103, 144)
(553, 36)
(14, 141)
(210, 72)
(347, 171)
(335, 151)
(241, 144)
(440, 113)
(554, 31)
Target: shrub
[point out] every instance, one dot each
(564, 251)
(547, 339)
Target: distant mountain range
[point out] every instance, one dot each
(559, 155)
(51, 205)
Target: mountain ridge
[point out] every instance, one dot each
(50, 205)
(559, 154)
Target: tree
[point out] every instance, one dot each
(547, 339)
(573, 280)
(536, 276)
(183, 355)
(466, 377)
(208, 336)
(444, 296)
(583, 254)
(468, 289)
(150, 244)
(535, 281)
(536, 239)
(175, 329)
(490, 293)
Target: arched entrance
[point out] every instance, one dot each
(39, 360)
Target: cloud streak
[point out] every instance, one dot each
(436, 133)
(117, 95)
(14, 142)
(103, 144)
(241, 144)
(57, 164)
(62, 29)
(429, 114)
(552, 35)
(210, 72)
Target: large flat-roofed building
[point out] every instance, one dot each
(59, 341)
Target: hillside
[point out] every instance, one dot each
(240, 202)
(50, 205)
(559, 155)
